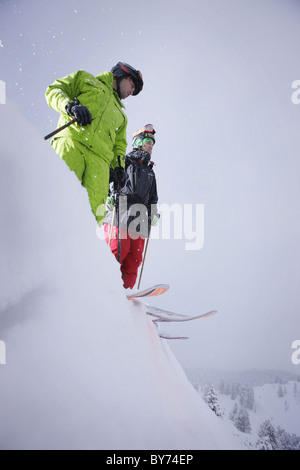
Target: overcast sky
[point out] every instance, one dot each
(218, 88)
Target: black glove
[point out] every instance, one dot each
(119, 176)
(81, 113)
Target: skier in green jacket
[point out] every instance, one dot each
(98, 139)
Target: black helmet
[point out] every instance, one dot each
(122, 70)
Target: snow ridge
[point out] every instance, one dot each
(85, 367)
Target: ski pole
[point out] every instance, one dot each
(144, 258)
(60, 129)
(119, 228)
(112, 225)
(118, 214)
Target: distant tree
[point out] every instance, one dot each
(295, 389)
(276, 439)
(286, 441)
(234, 390)
(233, 393)
(227, 390)
(242, 420)
(279, 380)
(212, 401)
(280, 392)
(247, 398)
(233, 412)
(267, 436)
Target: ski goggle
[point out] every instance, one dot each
(148, 139)
(147, 129)
(140, 140)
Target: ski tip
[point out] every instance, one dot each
(154, 291)
(159, 289)
(212, 312)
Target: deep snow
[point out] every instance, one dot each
(85, 368)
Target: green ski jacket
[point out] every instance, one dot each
(106, 135)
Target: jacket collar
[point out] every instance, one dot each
(140, 155)
(108, 79)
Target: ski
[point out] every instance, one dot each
(151, 292)
(166, 336)
(167, 316)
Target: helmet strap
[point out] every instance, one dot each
(118, 90)
(118, 87)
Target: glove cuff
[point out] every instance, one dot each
(70, 105)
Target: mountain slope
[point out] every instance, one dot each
(85, 368)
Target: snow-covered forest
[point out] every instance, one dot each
(267, 415)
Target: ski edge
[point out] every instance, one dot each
(167, 316)
(153, 291)
(166, 336)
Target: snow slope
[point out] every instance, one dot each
(283, 411)
(85, 368)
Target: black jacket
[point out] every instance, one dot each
(140, 205)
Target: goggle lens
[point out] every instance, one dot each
(149, 128)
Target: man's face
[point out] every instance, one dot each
(148, 146)
(127, 87)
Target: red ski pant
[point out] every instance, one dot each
(132, 247)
